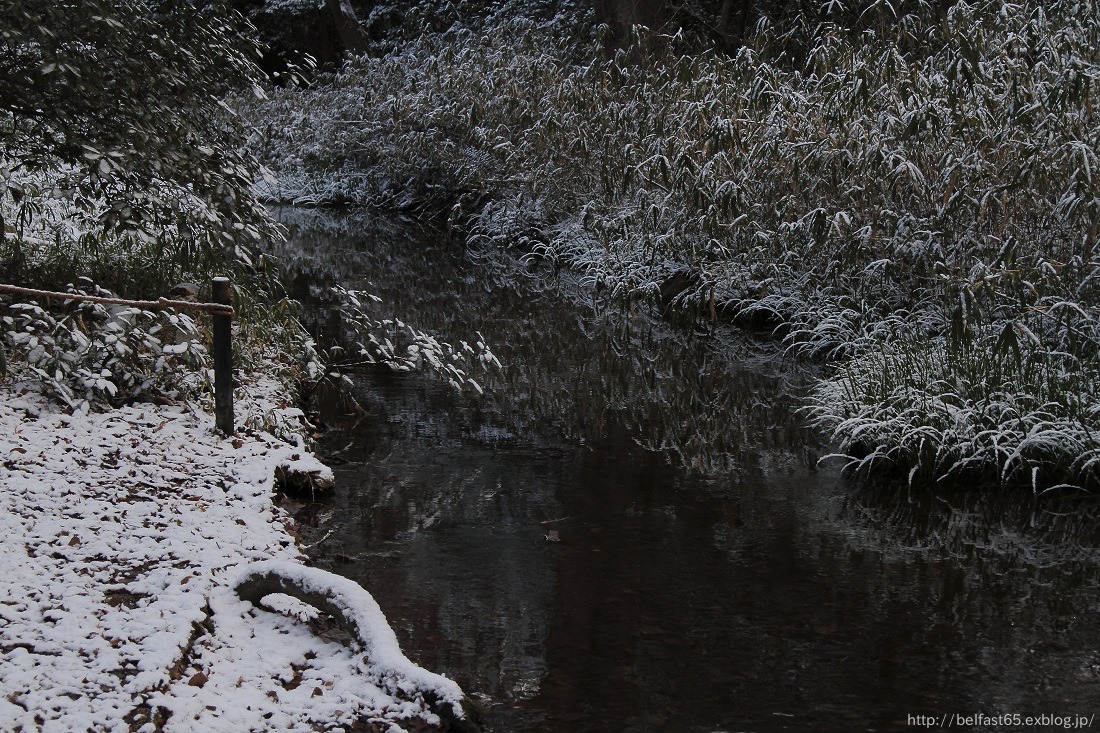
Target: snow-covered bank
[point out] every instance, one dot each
(122, 535)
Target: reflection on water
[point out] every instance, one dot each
(629, 533)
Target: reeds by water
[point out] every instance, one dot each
(916, 204)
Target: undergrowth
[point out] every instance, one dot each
(92, 356)
(918, 200)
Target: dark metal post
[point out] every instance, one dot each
(223, 358)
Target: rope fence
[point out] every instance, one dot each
(212, 308)
(221, 349)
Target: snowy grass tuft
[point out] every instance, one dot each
(934, 413)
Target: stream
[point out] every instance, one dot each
(631, 529)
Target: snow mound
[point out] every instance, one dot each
(360, 615)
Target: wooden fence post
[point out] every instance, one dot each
(223, 358)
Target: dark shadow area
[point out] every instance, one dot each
(629, 531)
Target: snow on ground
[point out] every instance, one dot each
(121, 535)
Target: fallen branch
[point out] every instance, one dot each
(357, 613)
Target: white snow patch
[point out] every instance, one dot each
(358, 607)
(121, 533)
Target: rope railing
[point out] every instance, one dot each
(212, 308)
(221, 349)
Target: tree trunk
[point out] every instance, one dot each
(348, 26)
(622, 15)
(746, 8)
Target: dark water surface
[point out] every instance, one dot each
(629, 531)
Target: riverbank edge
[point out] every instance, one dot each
(124, 534)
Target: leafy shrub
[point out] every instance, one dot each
(126, 98)
(121, 162)
(59, 240)
(91, 355)
(404, 348)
